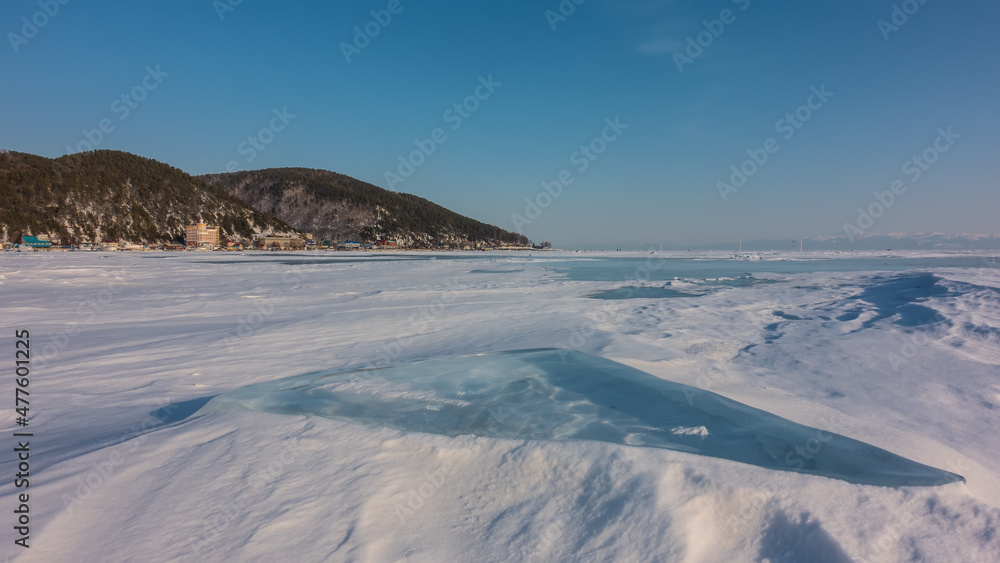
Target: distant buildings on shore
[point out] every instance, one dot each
(284, 243)
(207, 237)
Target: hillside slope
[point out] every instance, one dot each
(339, 207)
(112, 195)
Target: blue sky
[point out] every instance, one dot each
(223, 73)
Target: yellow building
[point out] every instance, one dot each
(200, 234)
(283, 242)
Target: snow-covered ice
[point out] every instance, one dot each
(175, 403)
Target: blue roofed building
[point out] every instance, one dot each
(41, 241)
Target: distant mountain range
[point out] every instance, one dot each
(908, 241)
(113, 195)
(894, 241)
(338, 207)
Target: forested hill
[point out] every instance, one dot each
(339, 207)
(112, 195)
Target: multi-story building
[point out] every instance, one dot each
(283, 242)
(200, 234)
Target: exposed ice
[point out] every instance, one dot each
(558, 394)
(632, 292)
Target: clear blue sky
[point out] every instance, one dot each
(657, 182)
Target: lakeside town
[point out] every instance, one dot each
(207, 238)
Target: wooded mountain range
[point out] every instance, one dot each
(112, 195)
(117, 196)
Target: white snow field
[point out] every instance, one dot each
(545, 406)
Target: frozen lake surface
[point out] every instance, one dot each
(556, 406)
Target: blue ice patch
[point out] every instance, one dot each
(552, 394)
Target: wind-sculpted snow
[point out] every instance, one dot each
(552, 394)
